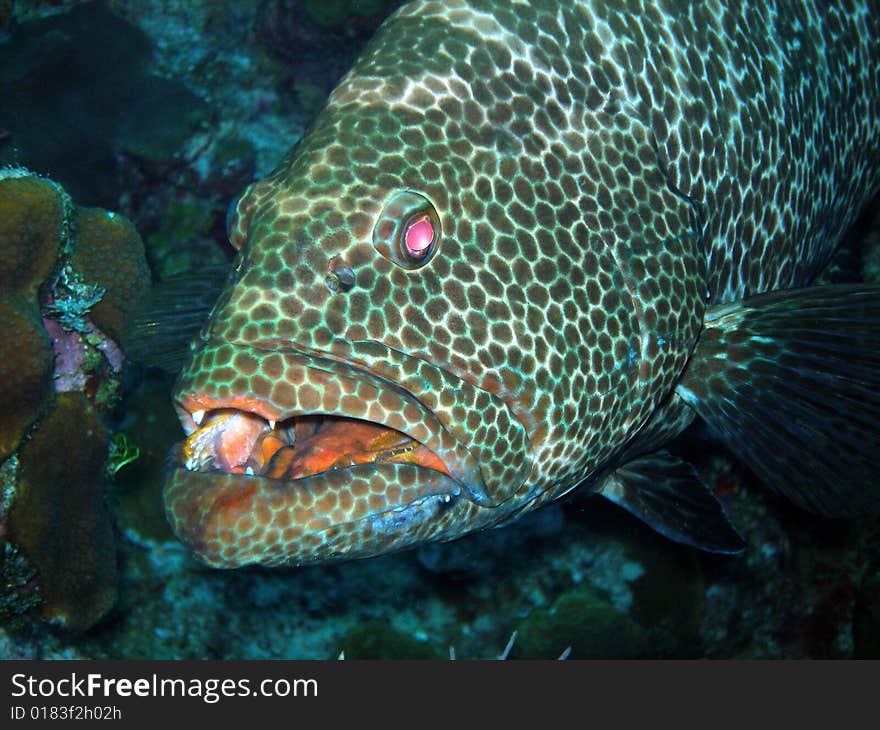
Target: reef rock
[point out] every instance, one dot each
(70, 279)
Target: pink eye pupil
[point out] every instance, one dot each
(418, 237)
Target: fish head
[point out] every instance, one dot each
(355, 389)
(418, 315)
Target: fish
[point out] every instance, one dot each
(525, 245)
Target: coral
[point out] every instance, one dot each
(59, 519)
(584, 621)
(109, 253)
(378, 640)
(73, 301)
(32, 222)
(660, 584)
(25, 370)
(18, 593)
(70, 277)
(32, 226)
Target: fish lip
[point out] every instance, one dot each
(196, 507)
(187, 402)
(194, 402)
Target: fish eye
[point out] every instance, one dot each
(418, 237)
(407, 231)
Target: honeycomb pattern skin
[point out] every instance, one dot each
(600, 172)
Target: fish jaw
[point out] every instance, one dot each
(328, 461)
(230, 520)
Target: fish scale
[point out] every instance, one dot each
(597, 175)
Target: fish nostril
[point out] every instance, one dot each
(340, 277)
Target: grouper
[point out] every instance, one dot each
(524, 246)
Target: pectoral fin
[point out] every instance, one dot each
(170, 318)
(670, 496)
(791, 381)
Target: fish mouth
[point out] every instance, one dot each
(243, 442)
(288, 477)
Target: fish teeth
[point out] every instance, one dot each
(198, 416)
(249, 471)
(199, 449)
(271, 424)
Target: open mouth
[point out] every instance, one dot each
(240, 442)
(316, 415)
(293, 456)
(249, 489)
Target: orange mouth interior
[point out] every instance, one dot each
(239, 442)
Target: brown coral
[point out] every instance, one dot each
(31, 231)
(68, 281)
(25, 370)
(60, 520)
(109, 252)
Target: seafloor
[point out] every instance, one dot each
(164, 111)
